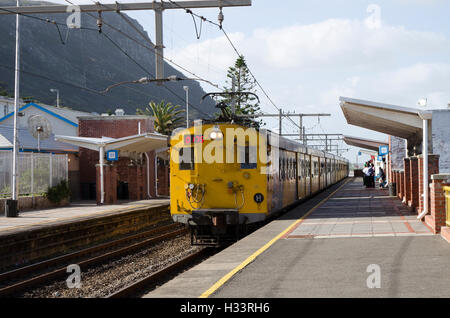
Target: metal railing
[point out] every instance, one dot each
(447, 204)
(36, 172)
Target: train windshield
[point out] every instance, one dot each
(186, 156)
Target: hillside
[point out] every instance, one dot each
(87, 62)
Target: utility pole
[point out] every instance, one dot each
(15, 187)
(301, 128)
(159, 46)
(55, 90)
(280, 121)
(186, 88)
(158, 7)
(233, 98)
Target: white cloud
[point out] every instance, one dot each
(305, 68)
(342, 42)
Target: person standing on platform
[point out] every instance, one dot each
(371, 173)
(366, 175)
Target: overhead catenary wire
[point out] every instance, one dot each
(91, 29)
(150, 75)
(49, 21)
(152, 49)
(237, 52)
(171, 61)
(52, 80)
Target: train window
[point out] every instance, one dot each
(187, 158)
(250, 158)
(300, 169)
(286, 168)
(280, 171)
(294, 169)
(289, 169)
(308, 168)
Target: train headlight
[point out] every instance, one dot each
(216, 133)
(191, 186)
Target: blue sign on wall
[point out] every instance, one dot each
(380, 158)
(383, 150)
(112, 155)
(359, 153)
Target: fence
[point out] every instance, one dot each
(36, 172)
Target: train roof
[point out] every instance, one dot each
(292, 145)
(284, 143)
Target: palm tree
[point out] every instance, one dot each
(167, 116)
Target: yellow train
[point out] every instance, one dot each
(224, 177)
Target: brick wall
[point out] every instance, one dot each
(400, 185)
(110, 184)
(433, 168)
(437, 216)
(407, 180)
(135, 176)
(414, 179)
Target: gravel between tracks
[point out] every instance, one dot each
(105, 279)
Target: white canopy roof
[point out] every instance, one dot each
(364, 143)
(129, 146)
(403, 122)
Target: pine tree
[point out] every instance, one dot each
(244, 82)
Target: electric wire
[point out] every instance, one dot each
(152, 49)
(236, 50)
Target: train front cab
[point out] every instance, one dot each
(225, 189)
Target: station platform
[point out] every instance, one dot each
(76, 211)
(327, 247)
(41, 234)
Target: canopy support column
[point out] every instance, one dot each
(102, 181)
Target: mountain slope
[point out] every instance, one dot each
(87, 62)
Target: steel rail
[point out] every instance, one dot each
(8, 290)
(154, 277)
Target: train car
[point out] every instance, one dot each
(224, 177)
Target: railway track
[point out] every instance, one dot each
(133, 289)
(19, 285)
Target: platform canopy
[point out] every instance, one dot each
(364, 143)
(129, 146)
(403, 122)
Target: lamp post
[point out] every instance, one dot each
(55, 90)
(186, 88)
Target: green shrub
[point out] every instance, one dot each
(59, 192)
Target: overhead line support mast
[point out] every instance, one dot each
(158, 7)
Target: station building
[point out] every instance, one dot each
(418, 149)
(139, 173)
(57, 120)
(139, 169)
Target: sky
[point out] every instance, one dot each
(306, 54)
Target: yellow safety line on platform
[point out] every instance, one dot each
(252, 257)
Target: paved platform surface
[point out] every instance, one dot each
(327, 253)
(76, 211)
